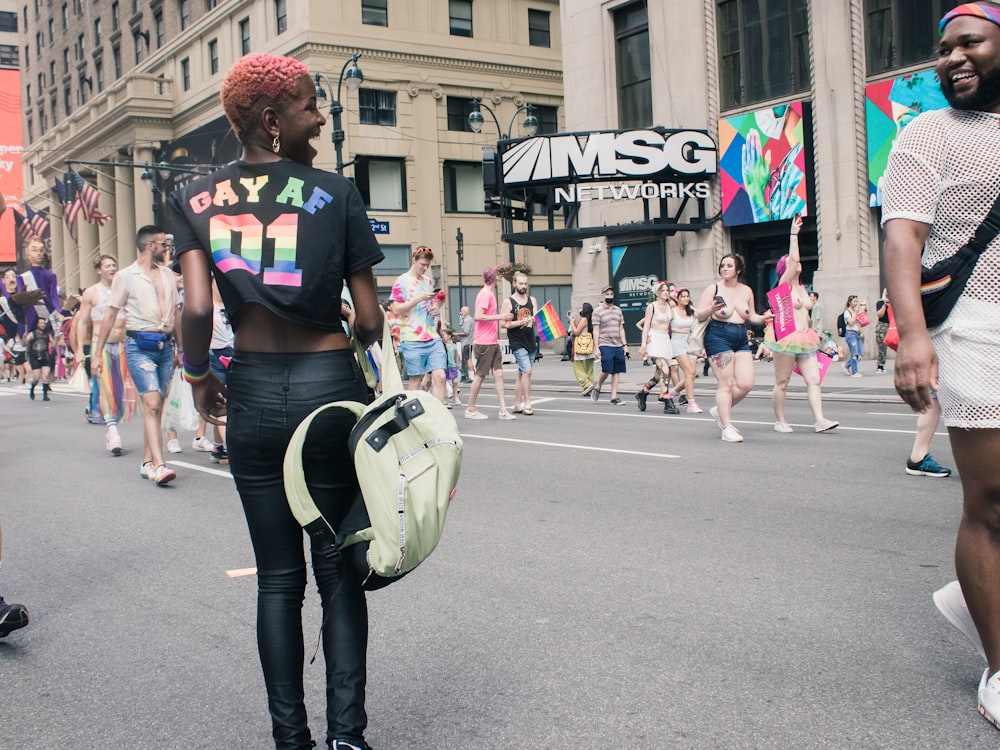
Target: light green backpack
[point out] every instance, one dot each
(408, 455)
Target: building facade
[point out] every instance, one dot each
(803, 99)
(127, 92)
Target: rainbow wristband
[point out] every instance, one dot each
(195, 374)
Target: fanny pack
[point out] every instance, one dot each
(148, 341)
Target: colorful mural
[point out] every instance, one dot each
(889, 106)
(762, 165)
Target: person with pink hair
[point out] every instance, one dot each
(281, 239)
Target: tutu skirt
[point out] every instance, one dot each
(659, 346)
(796, 344)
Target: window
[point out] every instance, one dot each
(97, 32)
(245, 36)
(27, 94)
(538, 28)
(99, 75)
(460, 17)
(635, 90)
(763, 49)
(158, 28)
(8, 21)
(374, 12)
(54, 103)
(65, 60)
(67, 100)
(458, 113)
(52, 31)
(41, 84)
(210, 4)
(65, 16)
(281, 16)
(116, 60)
(463, 187)
(548, 118)
(137, 43)
(213, 56)
(381, 182)
(78, 7)
(114, 16)
(39, 41)
(186, 73)
(902, 32)
(80, 47)
(27, 57)
(31, 134)
(377, 107)
(9, 57)
(52, 71)
(184, 6)
(43, 123)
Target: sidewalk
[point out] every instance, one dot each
(551, 375)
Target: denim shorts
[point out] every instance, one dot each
(422, 357)
(150, 371)
(612, 359)
(524, 359)
(725, 337)
(215, 364)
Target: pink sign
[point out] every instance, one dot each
(822, 359)
(780, 300)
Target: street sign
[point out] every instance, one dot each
(379, 227)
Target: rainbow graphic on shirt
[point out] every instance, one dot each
(550, 327)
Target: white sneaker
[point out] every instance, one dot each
(693, 408)
(731, 435)
(202, 444)
(782, 427)
(173, 446)
(950, 602)
(714, 411)
(475, 415)
(506, 416)
(825, 425)
(989, 697)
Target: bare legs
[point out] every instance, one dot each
(152, 433)
(809, 367)
(926, 424)
(734, 372)
(977, 549)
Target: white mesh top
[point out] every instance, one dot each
(944, 170)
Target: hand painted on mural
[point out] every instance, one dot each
(783, 201)
(756, 175)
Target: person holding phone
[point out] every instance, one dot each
(417, 304)
(729, 305)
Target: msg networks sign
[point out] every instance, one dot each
(11, 146)
(614, 165)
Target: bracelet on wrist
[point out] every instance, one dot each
(195, 374)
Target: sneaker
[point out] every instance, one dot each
(163, 474)
(880, 371)
(12, 617)
(89, 415)
(825, 425)
(782, 427)
(146, 470)
(615, 401)
(693, 408)
(220, 456)
(596, 393)
(950, 602)
(846, 368)
(506, 416)
(714, 411)
(682, 400)
(989, 697)
(731, 435)
(587, 391)
(926, 467)
(113, 444)
(475, 414)
(641, 397)
(345, 745)
(173, 446)
(857, 375)
(200, 444)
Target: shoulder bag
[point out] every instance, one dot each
(696, 339)
(943, 283)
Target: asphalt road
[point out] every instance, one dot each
(607, 579)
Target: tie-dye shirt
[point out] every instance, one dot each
(417, 323)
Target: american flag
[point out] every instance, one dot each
(38, 223)
(87, 197)
(23, 225)
(70, 210)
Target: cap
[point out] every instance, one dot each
(608, 288)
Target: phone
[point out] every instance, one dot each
(719, 299)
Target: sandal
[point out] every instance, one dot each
(527, 411)
(518, 410)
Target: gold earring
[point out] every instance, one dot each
(276, 144)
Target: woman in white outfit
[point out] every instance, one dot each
(656, 345)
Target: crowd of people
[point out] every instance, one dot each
(290, 351)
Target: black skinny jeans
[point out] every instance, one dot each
(269, 396)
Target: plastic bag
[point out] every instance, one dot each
(179, 413)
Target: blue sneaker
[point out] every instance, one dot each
(927, 467)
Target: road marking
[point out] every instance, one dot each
(574, 446)
(202, 469)
(240, 572)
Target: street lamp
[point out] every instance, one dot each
(154, 174)
(352, 73)
(530, 126)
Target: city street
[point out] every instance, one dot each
(607, 579)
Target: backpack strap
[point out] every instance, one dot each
(988, 230)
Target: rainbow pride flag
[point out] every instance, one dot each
(550, 327)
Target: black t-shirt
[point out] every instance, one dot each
(280, 234)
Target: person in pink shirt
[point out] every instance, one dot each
(486, 346)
